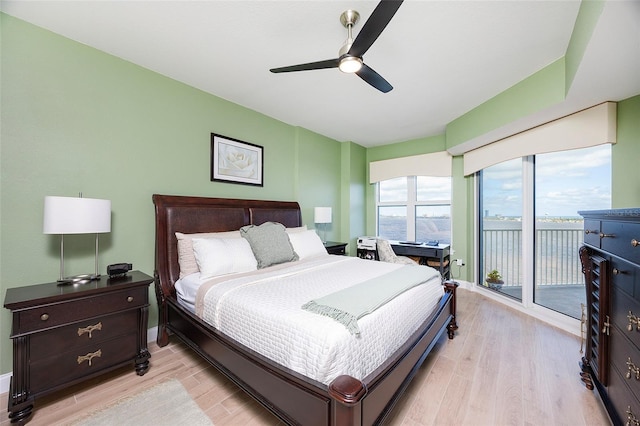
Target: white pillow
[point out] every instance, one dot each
(222, 256)
(307, 244)
(186, 259)
(297, 229)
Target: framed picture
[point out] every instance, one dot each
(236, 161)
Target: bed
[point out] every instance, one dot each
(293, 395)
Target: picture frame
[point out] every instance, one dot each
(236, 161)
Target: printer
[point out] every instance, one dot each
(367, 243)
(366, 248)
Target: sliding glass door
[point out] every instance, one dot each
(530, 229)
(501, 228)
(565, 183)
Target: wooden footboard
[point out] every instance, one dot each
(296, 399)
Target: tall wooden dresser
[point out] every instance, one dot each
(611, 264)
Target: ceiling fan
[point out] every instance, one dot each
(349, 58)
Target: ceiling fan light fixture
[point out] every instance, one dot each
(350, 64)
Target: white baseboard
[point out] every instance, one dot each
(4, 382)
(5, 379)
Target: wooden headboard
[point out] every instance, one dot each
(199, 214)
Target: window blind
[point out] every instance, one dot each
(589, 127)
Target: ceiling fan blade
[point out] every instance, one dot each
(329, 63)
(374, 26)
(373, 78)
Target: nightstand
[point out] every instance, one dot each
(63, 335)
(334, 247)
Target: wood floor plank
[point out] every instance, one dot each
(502, 368)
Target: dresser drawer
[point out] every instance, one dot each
(617, 239)
(625, 357)
(623, 276)
(625, 314)
(47, 316)
(83, 333)
(61, 368)
(622, 398)
(592, 232)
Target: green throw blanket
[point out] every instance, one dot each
(348, 305)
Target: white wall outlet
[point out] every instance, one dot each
(459, 262)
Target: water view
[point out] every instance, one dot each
(427, 228)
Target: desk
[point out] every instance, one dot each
(434, 256)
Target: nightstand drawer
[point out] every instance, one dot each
(60, 368)
(334, 247)
(47, 316)
(83, 333)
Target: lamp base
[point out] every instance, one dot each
(79, 279)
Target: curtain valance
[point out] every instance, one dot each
(434, 164)
(590, 127)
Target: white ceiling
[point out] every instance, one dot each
(443, 57)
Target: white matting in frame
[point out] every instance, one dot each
(236, 161)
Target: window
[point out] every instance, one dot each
(530, 229)
(415, 208)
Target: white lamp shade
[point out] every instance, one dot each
(71, 215)
(322, 215)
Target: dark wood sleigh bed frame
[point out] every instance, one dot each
(292, 397)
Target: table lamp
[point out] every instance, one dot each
(70, 215)
(322, 215)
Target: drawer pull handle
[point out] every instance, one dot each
(89, 329)
(88, 357)
(632, 370)
(583, 326)
(605, 326)
(588, 231)
(635, 243)
(130, 299)
(633, 320)
(603, 235)
(44, 317)
(631, 418)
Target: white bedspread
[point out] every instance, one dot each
(262, 310)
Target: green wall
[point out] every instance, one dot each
(75, 119)
(353, 206)
(78, 120)
(541, 90)
(317, 178)
(625, 155)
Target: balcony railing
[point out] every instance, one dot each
(557, 259)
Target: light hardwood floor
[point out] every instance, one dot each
(502, 368)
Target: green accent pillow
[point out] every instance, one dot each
(270, 243)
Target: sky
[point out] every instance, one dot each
(566, 182)
(430, 189)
